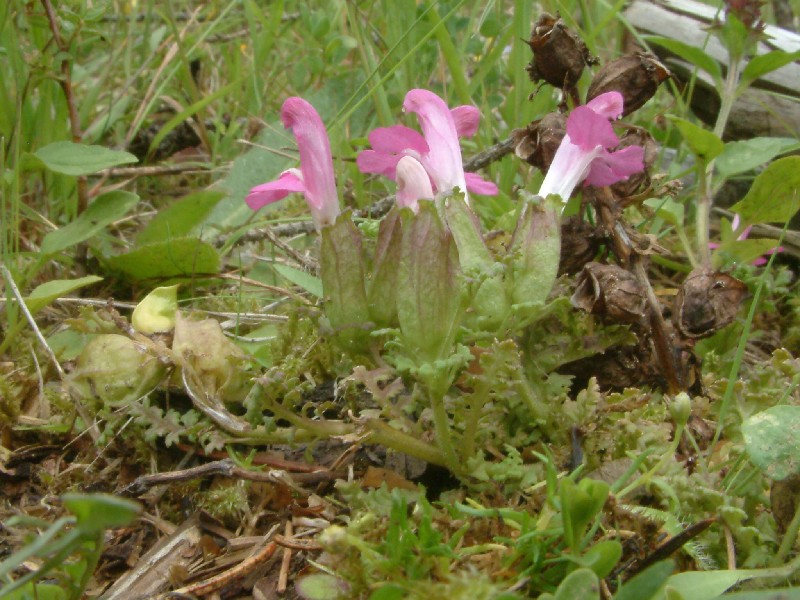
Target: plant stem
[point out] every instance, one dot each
(705, 200)
(441, 424)
(66, 85)
(384, 434)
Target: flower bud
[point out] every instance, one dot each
(635, 76)
(681, 408)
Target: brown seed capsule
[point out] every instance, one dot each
(611, 292)
(635, 76)
(579, 244)
(538, 142)
(637, 136)
(559, 55)
(707, 302)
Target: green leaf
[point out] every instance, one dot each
(647, 584)
(746, 155)
(311, 284)
(688, 53)
(40, 591)
(758, 66)
(156, 312)
(181, 257)
(581, 583)
(180, 218)
(772, 439)
(102, 212)
(668, 209)
(743, 251)
(70, 158)
(101, 511)
(45, 293)
(320, 586)
(390, 591)
(703, 143)
(600, 558)
(777, 594)
(774, 196)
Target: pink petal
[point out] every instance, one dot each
(413, 183)
(370, 161)
(467, 118)
(569, 167)
(316, 162)
(443, 160)
(611, 167)
(270, 192)
(588, 129)
(608, 105)
(397, 139)
(478, 185)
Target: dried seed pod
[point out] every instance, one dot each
(637, 136)
(635, 76)
(579, 244)
(559, 55)
(707, 302)
(611, 292)
(538, 142)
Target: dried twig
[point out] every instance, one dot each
(227, 468)
(283, 575)
(217, 582)
(31, 321)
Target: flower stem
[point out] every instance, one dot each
(705, 199)
(441, 424)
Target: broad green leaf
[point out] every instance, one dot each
(390, 591)
(320, 586)
(581, 583)
(156, 312)
(746, 155)
(647, 584)
(101, 511)
(102, 212)
(744, 251)
(708, 585)
(181, 257)
(40, 591)
(775, 594)
(703, 143)
(689, 53)
(310, 283)
(601, 558)
(772, 439)
(180, 218)
(70, 158)
(758, 66)
(774, 196)
(45, 293)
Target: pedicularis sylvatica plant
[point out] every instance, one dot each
(428, 288)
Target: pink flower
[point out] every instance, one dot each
(436, 149)
(583, 152)
(413, 183)
(761, 260)
(315, 177)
